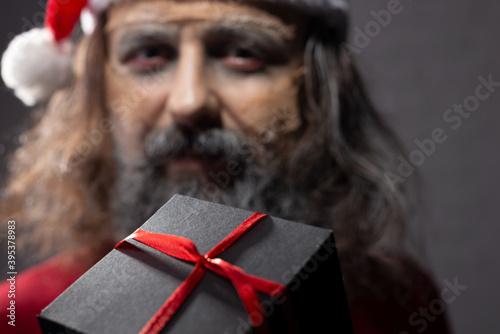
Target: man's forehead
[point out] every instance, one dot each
(236, 13)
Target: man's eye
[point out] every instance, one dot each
(151, 57)
(243, 60)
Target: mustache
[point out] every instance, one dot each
(213, 144)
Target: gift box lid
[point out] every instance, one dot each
(123, 290)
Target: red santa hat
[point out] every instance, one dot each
(39, 62)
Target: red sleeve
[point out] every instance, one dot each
(404, 299)
(32, 290)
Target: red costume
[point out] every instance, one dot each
(38, 286)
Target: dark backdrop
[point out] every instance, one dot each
(418, 62)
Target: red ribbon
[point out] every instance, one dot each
(184, 249)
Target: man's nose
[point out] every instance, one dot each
(191, 101)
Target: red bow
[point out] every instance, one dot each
(181, 248)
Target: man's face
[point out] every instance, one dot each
(199, 65)
(191, 83)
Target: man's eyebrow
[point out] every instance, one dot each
(135, 31)
(268, 36)
(264, 24)
(239, 21)
(137, 35)
(265, 43)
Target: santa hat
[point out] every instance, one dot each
(39, 62)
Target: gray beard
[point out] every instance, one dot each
(139, 192)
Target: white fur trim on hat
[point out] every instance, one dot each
(99, 6)
(35, 66)
(88, 21)
(37, 63)
(88, 18)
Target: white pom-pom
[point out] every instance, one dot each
(35, 66)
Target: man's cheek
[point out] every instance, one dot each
(284, 114)
(128, 137)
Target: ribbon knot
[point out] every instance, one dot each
(203, 260)
(181, 248)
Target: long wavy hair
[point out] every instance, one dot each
(62, 173)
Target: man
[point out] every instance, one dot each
(252, 104)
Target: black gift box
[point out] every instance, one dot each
(126, 288)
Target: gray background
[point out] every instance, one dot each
(426, 59)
